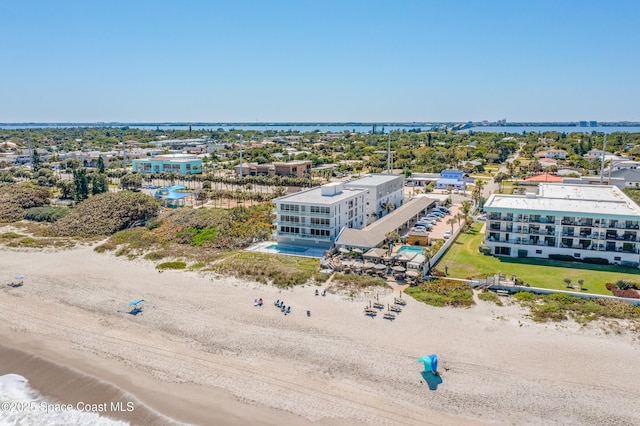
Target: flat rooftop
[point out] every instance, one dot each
(566, 198)
(314, 196)
(372, 180)
(375, 234)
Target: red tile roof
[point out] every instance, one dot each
(544, 177)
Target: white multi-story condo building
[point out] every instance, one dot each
(385, 192)
(315, 217)
(582, 221)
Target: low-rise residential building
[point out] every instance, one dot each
(421, 179)
(598, 154)
(183, 164)
(298, 168)
(451, 179)
(316, 216)
(559, 154)
(630, 176)
(623, 164)
(581, 221)
(385, 193)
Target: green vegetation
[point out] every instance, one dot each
(203, 235)
(10, 235)
(558, 307)
(197, 265)
(107, 213)
(358, 281)
(171, 265)
(46, 214)
(281, 271)
(464, 260)
(490, 296)
(14, 199)
(443, 292)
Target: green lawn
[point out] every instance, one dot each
(464, 260)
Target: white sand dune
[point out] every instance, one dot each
(202, 353)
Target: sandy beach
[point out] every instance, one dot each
(201, 353)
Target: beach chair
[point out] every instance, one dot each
(389, 316)
(395, 308)
(398, 301)
(288, 310)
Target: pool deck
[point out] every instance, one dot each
(262, 247)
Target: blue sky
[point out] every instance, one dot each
(217, 61)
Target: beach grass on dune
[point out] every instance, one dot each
(357, 281)
(443, 292)
(281, 271)
(463, 260)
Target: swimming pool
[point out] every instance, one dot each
(411, 249)
(290, 250)
(282, 248)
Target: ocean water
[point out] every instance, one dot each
(21, 405)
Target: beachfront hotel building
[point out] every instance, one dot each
(315, 217)
(182, 164)
(385, 193)
(581, 221)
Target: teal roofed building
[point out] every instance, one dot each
(182, 164)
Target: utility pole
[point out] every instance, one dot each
(389, 155)
(30, 151)
(124, 153)
(604, 150)
(240, 156)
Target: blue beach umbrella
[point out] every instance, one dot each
(19, 277)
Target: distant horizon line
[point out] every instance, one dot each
(330, 123)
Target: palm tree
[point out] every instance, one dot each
(477, 192)
(392, 236)
(499, 179)
(388, 207)
(451, 221)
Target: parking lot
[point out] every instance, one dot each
(441, 226)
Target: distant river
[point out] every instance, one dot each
(276, 128)
(338, 128)
(560, 129)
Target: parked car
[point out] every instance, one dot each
(438, 214)
(446, 235)
(434, 217)
(442, 209)
(482, 217)
(419, 228)
(425, 225)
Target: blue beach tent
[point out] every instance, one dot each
(430, 363)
